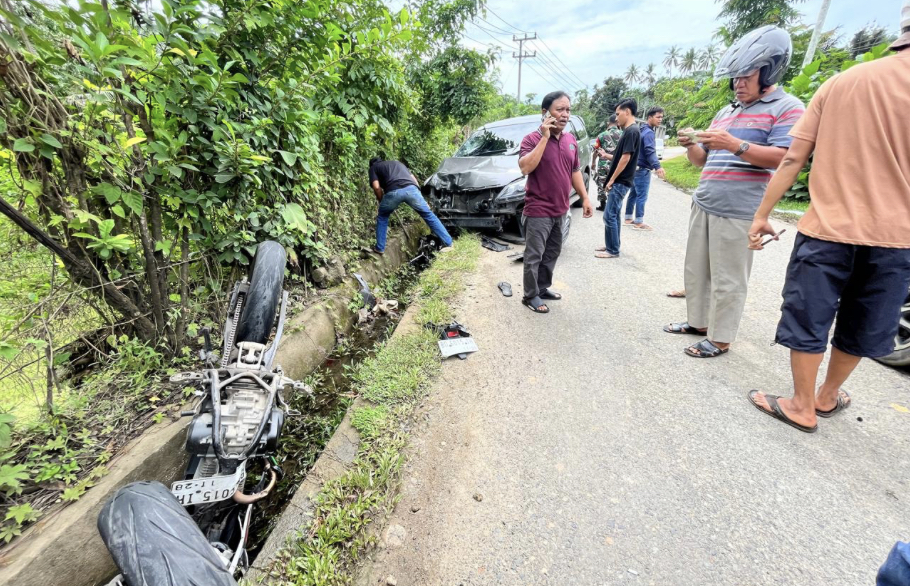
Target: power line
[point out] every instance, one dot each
(490, 10)
(512, 46)
(510, 33)
(489, 45)
(542, 75)
(553, 68)
(563, 64)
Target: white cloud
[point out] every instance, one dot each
(597, 39)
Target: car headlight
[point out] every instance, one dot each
(513, 191)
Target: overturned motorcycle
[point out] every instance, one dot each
(196, 532)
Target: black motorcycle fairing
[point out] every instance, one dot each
(155, 542)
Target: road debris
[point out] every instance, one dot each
(454, 340)
(491, 244)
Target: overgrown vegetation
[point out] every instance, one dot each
(146, 148)
(394, 381)
(681, 173)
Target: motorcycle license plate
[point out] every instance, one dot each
(208, 490)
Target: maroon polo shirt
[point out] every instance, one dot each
(549, 185)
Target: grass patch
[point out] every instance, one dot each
(394, 380)
(681, 173)
(792, 205)
(370, 421)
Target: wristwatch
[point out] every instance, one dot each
(743, 147)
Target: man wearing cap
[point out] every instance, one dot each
(738, 153)
(851, 258)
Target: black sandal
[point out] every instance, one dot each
(552, 295)
(705, 349)
(683, 328)
(535, 304)
(777, 413)
(843, 401)
(505, 289)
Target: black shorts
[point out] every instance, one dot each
(864, 286)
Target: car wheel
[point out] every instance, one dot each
(901, 354)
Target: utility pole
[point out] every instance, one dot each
(522, 55)
(816, 34)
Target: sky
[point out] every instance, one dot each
(582, 42)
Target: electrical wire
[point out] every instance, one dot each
(490, 10)
(560, 61)
(555, 70)
(542, 75)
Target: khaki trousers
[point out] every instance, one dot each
(718, 263)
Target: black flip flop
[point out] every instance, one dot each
(843, 401)
(777, 412)
(683, 328)
(706, 349)
(505, 288)
(551, 295)
(535, 304)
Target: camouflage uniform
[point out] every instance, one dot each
(607, 140)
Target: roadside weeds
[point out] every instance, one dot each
(393, 383)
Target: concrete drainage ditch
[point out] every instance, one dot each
(64, 546)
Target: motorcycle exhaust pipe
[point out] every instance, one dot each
(248, 499)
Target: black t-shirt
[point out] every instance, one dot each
(391, 175)
(629, 142)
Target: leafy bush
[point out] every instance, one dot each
(807, 83)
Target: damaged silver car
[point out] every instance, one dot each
(481, 186)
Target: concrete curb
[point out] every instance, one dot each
(64, 546)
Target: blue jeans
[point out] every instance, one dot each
(411, 196)
(638, 196)
(896, 569)
(611, 217)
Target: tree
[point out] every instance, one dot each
(605, 98)
(139, 141)
(671, 58)
(868, 37)
(743, 16)
(632, 74)
(530, 98)
(689, 62)
(708, 57)
(650, 74)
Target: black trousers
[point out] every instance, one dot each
(543, 243)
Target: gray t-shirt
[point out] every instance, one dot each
(729, 186)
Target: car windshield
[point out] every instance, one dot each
(500, 140)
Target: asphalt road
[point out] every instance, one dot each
(584, 448)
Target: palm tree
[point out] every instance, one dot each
(689, 61)
(708, 56)
(632, 74)
(671, 59)
(650, 74)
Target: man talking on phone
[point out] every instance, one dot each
(549, 158)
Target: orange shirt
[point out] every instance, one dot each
(860, 180)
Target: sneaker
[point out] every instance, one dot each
(446, 249)
(375, 250)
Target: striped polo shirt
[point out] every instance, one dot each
(729, 186)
